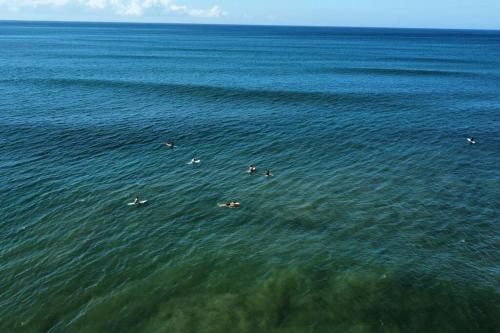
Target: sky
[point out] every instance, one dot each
(455, 14)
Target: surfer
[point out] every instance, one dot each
(232, 204)
(252, 169)
(268, 173)
(195, 160)
(471, 140)
(137, 202)
(170, 144)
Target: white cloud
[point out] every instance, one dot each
(121, 7)
(178, 9)
(97, 4)
(133, 8)
(37, 3)
(137, 8)
(215, 11)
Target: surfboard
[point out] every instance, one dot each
(471, 141)
(142, 202)
(224, 205)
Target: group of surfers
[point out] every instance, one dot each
(251, 170)
(231, 204)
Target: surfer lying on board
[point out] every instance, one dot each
(170, 144)
(136, 201)
(232, 204)
(251, 169)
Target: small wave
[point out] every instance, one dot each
(430, 60)
(396, 72)
(129, 56)
(222, 93)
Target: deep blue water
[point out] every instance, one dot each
(380, 217)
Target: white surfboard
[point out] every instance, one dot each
(471, 141)
(142, 202)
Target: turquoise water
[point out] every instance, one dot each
(379, 217)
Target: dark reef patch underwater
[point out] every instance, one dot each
(288, 301)
(380, 217)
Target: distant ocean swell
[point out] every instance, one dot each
(404, 72)
(225, 93)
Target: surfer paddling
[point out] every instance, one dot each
(231, 204)
(137, 202)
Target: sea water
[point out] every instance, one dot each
(380, 215)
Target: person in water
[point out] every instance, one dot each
(252, 169)
(136, 200)
(268, 173)
(170, 144)
(472, 140)
(232, 204)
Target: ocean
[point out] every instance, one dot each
(379, 216)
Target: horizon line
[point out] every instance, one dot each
(255, 25)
